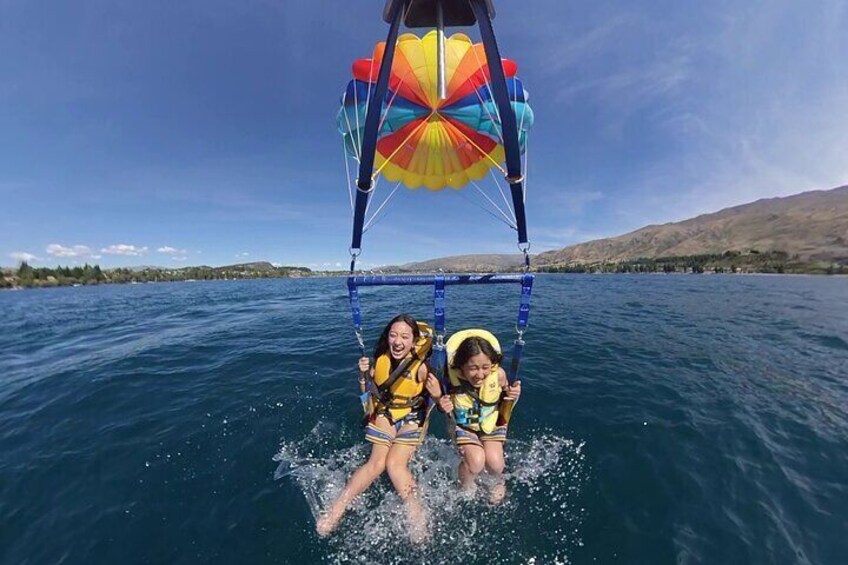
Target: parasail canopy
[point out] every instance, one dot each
(424, 140)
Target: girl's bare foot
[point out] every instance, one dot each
(469, 490)
(328, 522)
(417, 520)
(497, 493)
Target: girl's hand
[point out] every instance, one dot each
(445, 403)
(433, 387)
(364, 365)
(513, 391)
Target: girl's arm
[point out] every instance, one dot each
(512, 391)
(364, 372)
(431, 383)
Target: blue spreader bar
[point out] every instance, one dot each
(426, 280)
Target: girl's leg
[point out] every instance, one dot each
(359, 481)
(495, 465)
(397, 466)
(473, 461)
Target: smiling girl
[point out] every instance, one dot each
(397, 414)
(477, 387)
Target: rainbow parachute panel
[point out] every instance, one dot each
(425, 141)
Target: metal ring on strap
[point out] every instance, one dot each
(520, 332)
(371, 185)
(354, 253)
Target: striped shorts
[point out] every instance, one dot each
(413, 437)
(470, 437)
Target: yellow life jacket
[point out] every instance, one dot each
(474, 409)
(397, 395)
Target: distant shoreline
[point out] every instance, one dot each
(734, 263)
(343, 275)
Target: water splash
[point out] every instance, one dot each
(544, 480)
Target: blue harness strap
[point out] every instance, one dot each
(521, 325)
(524, 305)
(509, 125)
(364, 182)
(356, 312)
(439, 304)
(438, 357)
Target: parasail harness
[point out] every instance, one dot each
(440, 14)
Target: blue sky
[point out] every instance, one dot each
(203, 132)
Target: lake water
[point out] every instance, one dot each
(664, 419)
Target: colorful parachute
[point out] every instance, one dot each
(423, 140)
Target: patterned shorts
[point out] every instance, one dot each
(469, 437)
(414, 436)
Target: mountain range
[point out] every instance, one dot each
(810, 227)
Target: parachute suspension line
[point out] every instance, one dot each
(354, 143)
(524, 165)
(488, 84)
(347, 174)
(526, 147)
(515, 85)
(508, 206)
(368, 92)
(399, 147)
(385, 114)
(523, 112)
(495, 119)
(481, 151)
(356, 109)
(365, 177)
(507, 220)
(485, 209)
(374, 218)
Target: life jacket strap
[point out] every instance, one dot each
(466, 388)
(396, 374)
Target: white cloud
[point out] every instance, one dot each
(57, 250)
(169, 249)
(242, 255)
(124, 249)
(584, 45)
(23, 256)
(179, 258)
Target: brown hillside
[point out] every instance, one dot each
(812, 225)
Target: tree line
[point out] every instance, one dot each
(752, 261)
(28, 276)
